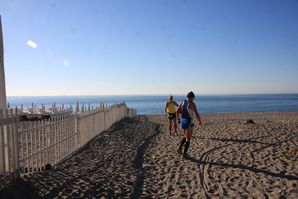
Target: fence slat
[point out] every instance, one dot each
(7, 146)
(2, 144)
(15, 144)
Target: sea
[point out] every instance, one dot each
(155, 104)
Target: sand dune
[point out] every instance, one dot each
(136, 158)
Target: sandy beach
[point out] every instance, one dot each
(137, 158)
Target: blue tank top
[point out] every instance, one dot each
(185, 113)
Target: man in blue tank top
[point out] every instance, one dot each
(187, 110)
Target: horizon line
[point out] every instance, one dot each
(164, 94)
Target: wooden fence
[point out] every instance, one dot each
(30, 146)
(91, 123)
(46, 142)
(8, 147)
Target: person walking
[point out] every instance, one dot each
(187, 109)
(170, 111)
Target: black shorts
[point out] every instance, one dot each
(171, 116)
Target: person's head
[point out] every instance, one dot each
(170, 98)
(191, 96)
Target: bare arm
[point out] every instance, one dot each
(197, 113)
(179, 111)
(166, 107)
(176, 103)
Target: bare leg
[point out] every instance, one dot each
(175, 124)
(188, 137)
(179, 149)
(170, 125)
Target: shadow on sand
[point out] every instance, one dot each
(243, 167)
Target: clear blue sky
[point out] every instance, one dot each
(114, 47)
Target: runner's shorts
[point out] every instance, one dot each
(186, 123)
(171, 116)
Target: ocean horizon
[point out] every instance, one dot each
(155, 104)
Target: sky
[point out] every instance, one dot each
(123, 47)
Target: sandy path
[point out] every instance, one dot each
(110, 166)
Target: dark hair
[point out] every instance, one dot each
(190, 94)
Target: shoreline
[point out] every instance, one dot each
(253, 112)
(242, 115)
